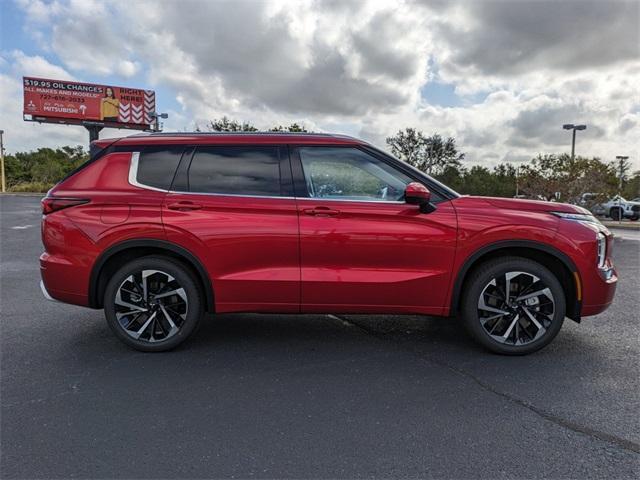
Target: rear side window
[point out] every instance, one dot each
(157, 166)
(236, 170)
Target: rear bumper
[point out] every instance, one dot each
(63, 281)
(65, 266)
(45, 293)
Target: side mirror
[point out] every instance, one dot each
(417, 194)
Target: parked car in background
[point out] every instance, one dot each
(619, 208)
(157, 229)
(591, 201)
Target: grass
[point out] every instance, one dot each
(30, 187)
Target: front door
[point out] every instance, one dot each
(362, 248)
(232, 206)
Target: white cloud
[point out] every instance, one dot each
(36, 66)
(20, 135)
(358, 67)
(39, 11)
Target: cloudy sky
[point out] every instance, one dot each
(500, 76)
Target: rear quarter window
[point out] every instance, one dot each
(157, 166)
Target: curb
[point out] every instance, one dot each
(22, 194)
(622, 226)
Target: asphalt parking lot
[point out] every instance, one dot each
(268, 396)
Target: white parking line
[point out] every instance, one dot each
(625, 234)
(21, 227)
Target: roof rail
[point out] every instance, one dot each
(180, 134)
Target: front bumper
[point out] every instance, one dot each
(601, 289)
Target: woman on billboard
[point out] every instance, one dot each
(109, 106)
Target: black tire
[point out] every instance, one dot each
(635, 218)
(616, 213)
(183, 309)
(478, 283)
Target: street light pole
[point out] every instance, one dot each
(157, 116)
(621, 159)
(4, 182)
(571, 126)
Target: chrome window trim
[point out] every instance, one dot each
(394, 202)
(229, 195)
(321, 199)
(133, 174)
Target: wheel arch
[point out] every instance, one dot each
(552, 258)
(116, 255)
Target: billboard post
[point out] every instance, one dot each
(4, 182)
(93, 129)
(90, 105)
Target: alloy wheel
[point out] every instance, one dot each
(151, 306)
(516, 308)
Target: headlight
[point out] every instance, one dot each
(579, 217)
(602, 249)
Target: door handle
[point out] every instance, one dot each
(321, 212)
(184, 206)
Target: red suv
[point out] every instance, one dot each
(159, 228)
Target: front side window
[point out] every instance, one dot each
(346, 173)
(236, 171)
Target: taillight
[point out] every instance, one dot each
(53, 204)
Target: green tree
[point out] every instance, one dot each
(505, 178)
(454, 177)
(225, 124)
(39, 170)
(294, 127)
(631, 187)
(440, 153)
(408, 145)
(431, 154)
(547, 175)
(478, 181)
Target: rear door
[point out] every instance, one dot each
(233, 207)
(363, 249)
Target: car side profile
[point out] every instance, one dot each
(158, 229)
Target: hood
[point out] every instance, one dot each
(519, 204)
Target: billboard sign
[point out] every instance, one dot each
(60, 101)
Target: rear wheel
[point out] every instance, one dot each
(153, 304)
(513, 305)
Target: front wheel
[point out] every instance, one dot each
(513, 305)
(153, 303)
